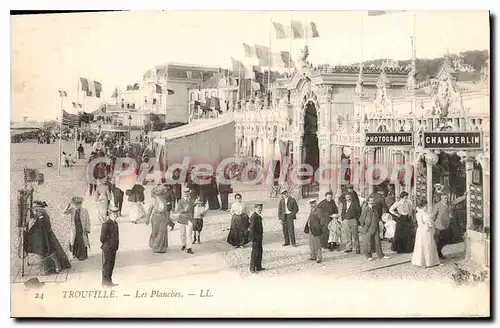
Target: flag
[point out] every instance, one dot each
(281, 32)
(382, 12)
(158, 88)
(248, 50)
(314, 30)
(62, 93)
(287, 59)
(70, 119)
(297, 30)
(261, 52)
(238, 68)
(376, 12)
(91, 87)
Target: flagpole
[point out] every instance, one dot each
(270, 58)
(239, 80)
(227, 90)
(362, 36)
(290, 48)
(60, 137)
(166, 94)
(414, 54)
(305, 28)
(77, 107)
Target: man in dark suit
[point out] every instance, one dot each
(328, 207)
(118, 197)
(256, 231)
(349, 191)
(287, 211)
(314, 228)
(350, 220)
(369, 222)
(110, 241)
(224, 191)
(379, 202)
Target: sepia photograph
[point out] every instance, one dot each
(250, 164)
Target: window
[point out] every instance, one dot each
(154, 101)
(145, 100)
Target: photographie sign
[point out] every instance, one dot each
(455, 140)
(389, 139)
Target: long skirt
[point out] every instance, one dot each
(213, 202)
(159, 234)
(238, 233)
(78, 248)
(137, 211)
(56, 260)
(102, 210)
(404, 239)
(425, 252)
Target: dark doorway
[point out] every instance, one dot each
(310, 150)
(310, 138)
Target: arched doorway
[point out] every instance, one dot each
(310, 148)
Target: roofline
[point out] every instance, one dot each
(184, 65)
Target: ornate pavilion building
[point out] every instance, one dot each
(326, 115)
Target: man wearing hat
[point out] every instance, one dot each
(79, 228)
(256, 231)
(441, 215)
(354, 195)
(287, 211)
(329, 207)
(110, 241)
(185, 220)
(314, 228)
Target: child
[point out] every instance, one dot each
(390, 226)
(335, 228)
(199, 213)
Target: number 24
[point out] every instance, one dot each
(39, 295)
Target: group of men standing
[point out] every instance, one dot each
(352, 220)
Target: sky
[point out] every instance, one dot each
(50, 52)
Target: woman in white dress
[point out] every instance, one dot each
(102, 197)
(425, 252)
(136, 199)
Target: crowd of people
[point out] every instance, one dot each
(350, 225)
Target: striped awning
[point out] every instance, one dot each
(71, 120)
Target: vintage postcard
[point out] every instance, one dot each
(250, 164)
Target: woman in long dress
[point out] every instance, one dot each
(136, 199)
(41, 241)
(404, 240)
(158, 214)
(425, 252)
(79, 229)
(213, 192)
(102, 197)
(238, 233)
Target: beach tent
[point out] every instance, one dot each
(204, 141)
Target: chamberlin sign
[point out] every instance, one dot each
(389, 139)
(454, 140)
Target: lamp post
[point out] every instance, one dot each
(130, 128)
